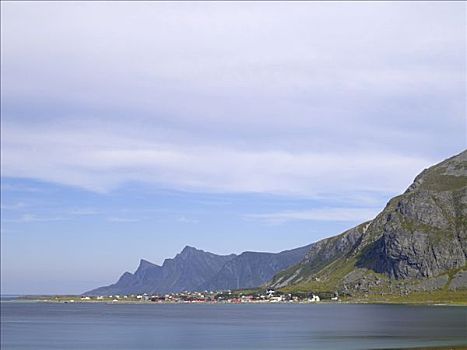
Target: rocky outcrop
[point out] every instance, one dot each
(419, 237)
(459, 281)
(423, 233)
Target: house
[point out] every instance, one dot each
(314, 299)
(276, 299)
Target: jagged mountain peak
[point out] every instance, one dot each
(143, 263)
(189, 250)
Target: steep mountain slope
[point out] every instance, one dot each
(252, 269)
(321, 255)
(187, 271)
(418, 241)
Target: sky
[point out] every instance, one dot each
(132, 129)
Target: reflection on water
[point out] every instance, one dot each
(282, 326)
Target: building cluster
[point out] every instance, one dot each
(267, 296)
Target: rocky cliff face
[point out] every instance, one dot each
(423, 232)
(420, 234)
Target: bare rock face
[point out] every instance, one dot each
(459, 281)
(423, 233)
(420, 236)
(326, 250)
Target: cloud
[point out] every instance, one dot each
(302, 99)
(106, 161)
(13, 206)
(122, 219)
(320, 214)
(19, 188)
(187, 220)
(83, 211)
(27, 218)
(265, 67)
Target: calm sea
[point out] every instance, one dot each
(281, 326)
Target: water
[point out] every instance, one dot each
(222, 326)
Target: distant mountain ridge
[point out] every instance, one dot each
(186, 271)
(252, 269)
(196, 270)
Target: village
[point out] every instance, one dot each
(235, 297)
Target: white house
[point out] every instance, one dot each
(314, 299)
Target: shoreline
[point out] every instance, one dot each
(130, 302)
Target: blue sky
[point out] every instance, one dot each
(132, 129)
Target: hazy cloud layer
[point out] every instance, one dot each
(319, 214)
(101, 162)
(294, 98)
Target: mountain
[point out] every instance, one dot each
(187, 271)
(417, 243)
(195, 270)
(252, 269)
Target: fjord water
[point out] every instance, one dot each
(223, 326)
